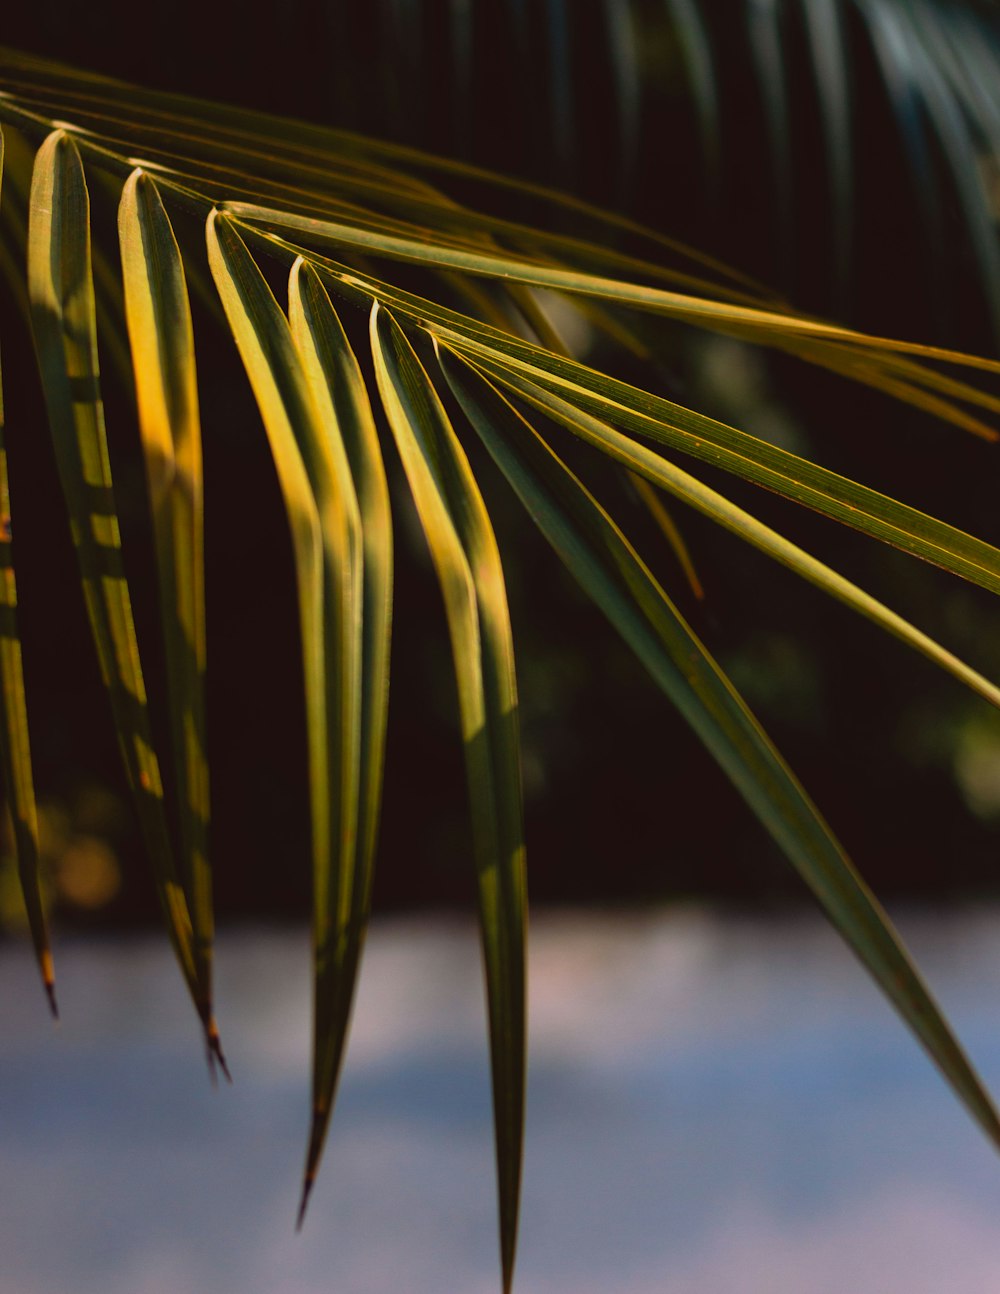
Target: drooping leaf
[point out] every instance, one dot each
(15, 749)
(63, 316)
(301, 421)
(662, 420)
(607, 567)
(161, 339)
(359, 581)
(463, 548)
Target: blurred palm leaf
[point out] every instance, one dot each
(777, 114)
(464, 333)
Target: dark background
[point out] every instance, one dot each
(622, 803)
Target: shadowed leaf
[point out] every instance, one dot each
(653, 467)
(62, 305)
(320, 500)
(158, 318)
(611, 572)
(345, 469)
(15, 750)
(464, 552)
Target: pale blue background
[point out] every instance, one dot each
(717, 1105)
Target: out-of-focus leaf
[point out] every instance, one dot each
(905, 59)
(825, 36)
(689, 28)
(464, 551)
(15, 749)
(766, 46)
(654, 506)
(158, 317)
(62, 306)
(560, 87)
(623, 55)
(611, 572)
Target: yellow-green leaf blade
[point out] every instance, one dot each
(708, 311)
(464, 552)
(161, 339)
(341, 906)
(63, 317)
(327, 555)
(745, 456)
(611, 572)
(652, 416)
(646, 463)
(15, 749)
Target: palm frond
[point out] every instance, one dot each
(383, 232)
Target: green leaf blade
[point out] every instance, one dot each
(465, 556)
(158, 318)
(358, 583)
(606, 566)
(650, 466)
(15, 749)
(319, 497)
(61, 292)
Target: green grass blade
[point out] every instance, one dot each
(358, 583)
(15, 750)
(62, 305)
(611, 572)
(464, 552)
(158, 318)
(647, 463)
(300, 422)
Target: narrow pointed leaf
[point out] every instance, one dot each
(299, 419)
(746, 456)
(670, 530)
(15, 750)
(611, 572)
(158, 318)
(358, 582)
(62, 305)
(464, 552)
(645, 462)
(653, 416)
(755, 321)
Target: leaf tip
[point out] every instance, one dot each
(213, 1050)
(307, 1186)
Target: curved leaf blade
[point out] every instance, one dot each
(358, 573)
(465, 555)
(61, 291)
(15, 749)
(647, 464)
(755, 321)
(299, 419)
(611, 572)
(158, 320)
